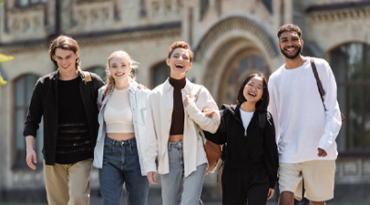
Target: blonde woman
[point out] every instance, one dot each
(174, 118)
(119, 150)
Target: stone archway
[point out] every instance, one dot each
(222, 49)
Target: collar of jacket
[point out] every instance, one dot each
(55, 75)
(235, 111)
(188, 86)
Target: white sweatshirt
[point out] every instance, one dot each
(301, 122)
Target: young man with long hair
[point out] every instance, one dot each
(66, 99)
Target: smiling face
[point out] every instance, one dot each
(253, 90)
(179, 62)
(120, 67)
(290, 44)
(66, 60)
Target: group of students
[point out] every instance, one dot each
(132, 134)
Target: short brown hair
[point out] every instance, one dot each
(289, 27)
(180, 44)
(65, 43)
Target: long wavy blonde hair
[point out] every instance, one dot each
(110, 80)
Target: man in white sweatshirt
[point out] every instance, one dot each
(305, 129)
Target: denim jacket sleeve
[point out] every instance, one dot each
(99, 100)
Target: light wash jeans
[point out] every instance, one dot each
(121, 165)
(176, 188)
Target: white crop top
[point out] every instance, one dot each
(117, 113)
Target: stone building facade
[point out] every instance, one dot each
(230, 39)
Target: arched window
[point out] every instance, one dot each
(160, 74)
(239, 67)
(98, 70)
(351, 67)
(23, 88)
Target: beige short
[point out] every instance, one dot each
(318, 178)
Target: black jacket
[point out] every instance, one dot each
(44, 103)
(246, 152)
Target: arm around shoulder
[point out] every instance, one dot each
(219, 137)
(204, 101)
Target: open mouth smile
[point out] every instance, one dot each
(291, 50)
(179, 66)
(252, 94)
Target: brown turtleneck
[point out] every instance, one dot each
(178, 113)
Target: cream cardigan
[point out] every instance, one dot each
(158, 124)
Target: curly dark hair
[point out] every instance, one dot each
(289, 27)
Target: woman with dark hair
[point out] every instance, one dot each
(251, 162)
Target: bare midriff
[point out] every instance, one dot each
(176, 138)
(121, 136)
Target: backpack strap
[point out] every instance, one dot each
(91, 83)
(318, 81)
(87, 76)
(262, 120)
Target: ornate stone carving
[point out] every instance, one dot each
(26, 23)
(339, 15)
(165, 8)
(95, 15)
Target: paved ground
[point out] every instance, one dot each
(153, 201)
(157, 201)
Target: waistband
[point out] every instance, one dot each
(178, 145)
(130, 142)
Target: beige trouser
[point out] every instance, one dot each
(68, 184)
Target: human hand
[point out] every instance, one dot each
(31, 156)
(270, 193)
(152, 177)
(322, 153)
(141, 86)
(209, 113)
(189, 99)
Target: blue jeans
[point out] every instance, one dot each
(121, 165)
(176, 188)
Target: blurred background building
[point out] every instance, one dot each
(230, 39)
